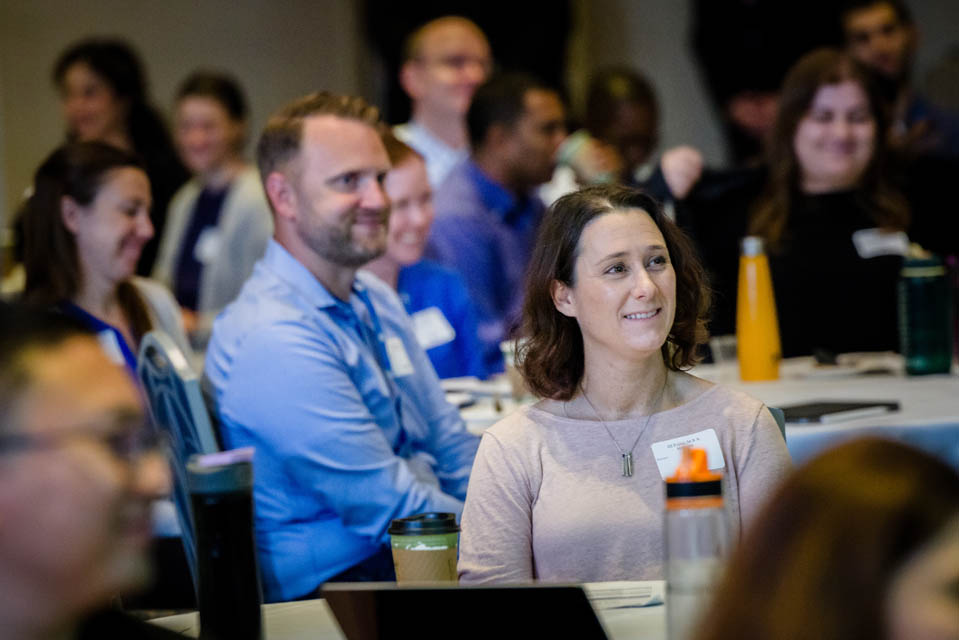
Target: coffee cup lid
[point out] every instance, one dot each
(424, 524)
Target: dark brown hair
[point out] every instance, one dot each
(612, 87)
(813, 71)
(23, 330)
(821, 554)
(551, 357)
(219, 86)
(76, 170)
(117, 63)
(280, 141)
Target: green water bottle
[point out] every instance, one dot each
(925, 324)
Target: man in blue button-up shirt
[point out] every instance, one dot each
(486, 210)
(318, 368)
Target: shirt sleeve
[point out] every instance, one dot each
(497, 531)
(762, 466)
(294, 395)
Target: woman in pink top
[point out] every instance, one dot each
(571, 488)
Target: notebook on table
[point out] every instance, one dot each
(828, 411)
(384, 610)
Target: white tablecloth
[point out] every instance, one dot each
(313, 620)
(929, 405)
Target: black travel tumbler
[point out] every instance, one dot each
(222, 499)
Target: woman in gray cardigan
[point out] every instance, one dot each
(219, 222)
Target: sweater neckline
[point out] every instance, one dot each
(622, 421)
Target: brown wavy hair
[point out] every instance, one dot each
(819, 68)
(75, 170)
(818, 560)
(550, 357)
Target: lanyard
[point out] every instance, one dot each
(375, 339)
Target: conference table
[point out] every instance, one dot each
(928, 417)
(628, 618)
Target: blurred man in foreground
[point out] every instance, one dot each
(78, 471)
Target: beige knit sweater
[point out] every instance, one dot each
(547, 499)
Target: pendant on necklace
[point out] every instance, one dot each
(628, 464)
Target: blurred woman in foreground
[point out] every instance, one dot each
(860, 543)
(84, 227)
(571, 489)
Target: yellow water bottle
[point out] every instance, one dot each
(757, 329)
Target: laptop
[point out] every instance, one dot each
(384, 610)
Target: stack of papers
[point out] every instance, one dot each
(621, 595)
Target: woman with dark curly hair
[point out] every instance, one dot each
(571, 488)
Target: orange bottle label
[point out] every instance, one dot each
(757, 329)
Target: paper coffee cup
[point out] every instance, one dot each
(425, 547)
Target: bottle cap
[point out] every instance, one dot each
(693, 478)
(752, 246)
(220, 475)
(931, 267)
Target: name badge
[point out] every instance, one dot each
(400, 363)
(208, 245)
(875, 242)
(432, 328)
(667, 452)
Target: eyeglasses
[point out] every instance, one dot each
(459, 63)
(128, 445)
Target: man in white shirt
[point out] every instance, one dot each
(444, 61)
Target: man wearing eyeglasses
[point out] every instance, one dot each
(78, 472)
(444, 61)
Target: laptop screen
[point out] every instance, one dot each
(374, 611)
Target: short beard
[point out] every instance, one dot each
(334, 245)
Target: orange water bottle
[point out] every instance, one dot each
(757, 329)
(696, 540)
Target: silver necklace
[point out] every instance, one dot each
(626, 455)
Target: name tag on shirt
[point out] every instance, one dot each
(667, 452)
(400, 363)
(111, 346)
(207, 246)
(875, 242)
(432, 328)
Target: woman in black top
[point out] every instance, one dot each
(820, 203)
(103, 92)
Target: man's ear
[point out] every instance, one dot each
(70, 212)
(563, 298)
(282, 196)
(411, 80)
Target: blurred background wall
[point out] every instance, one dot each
(280, 49)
